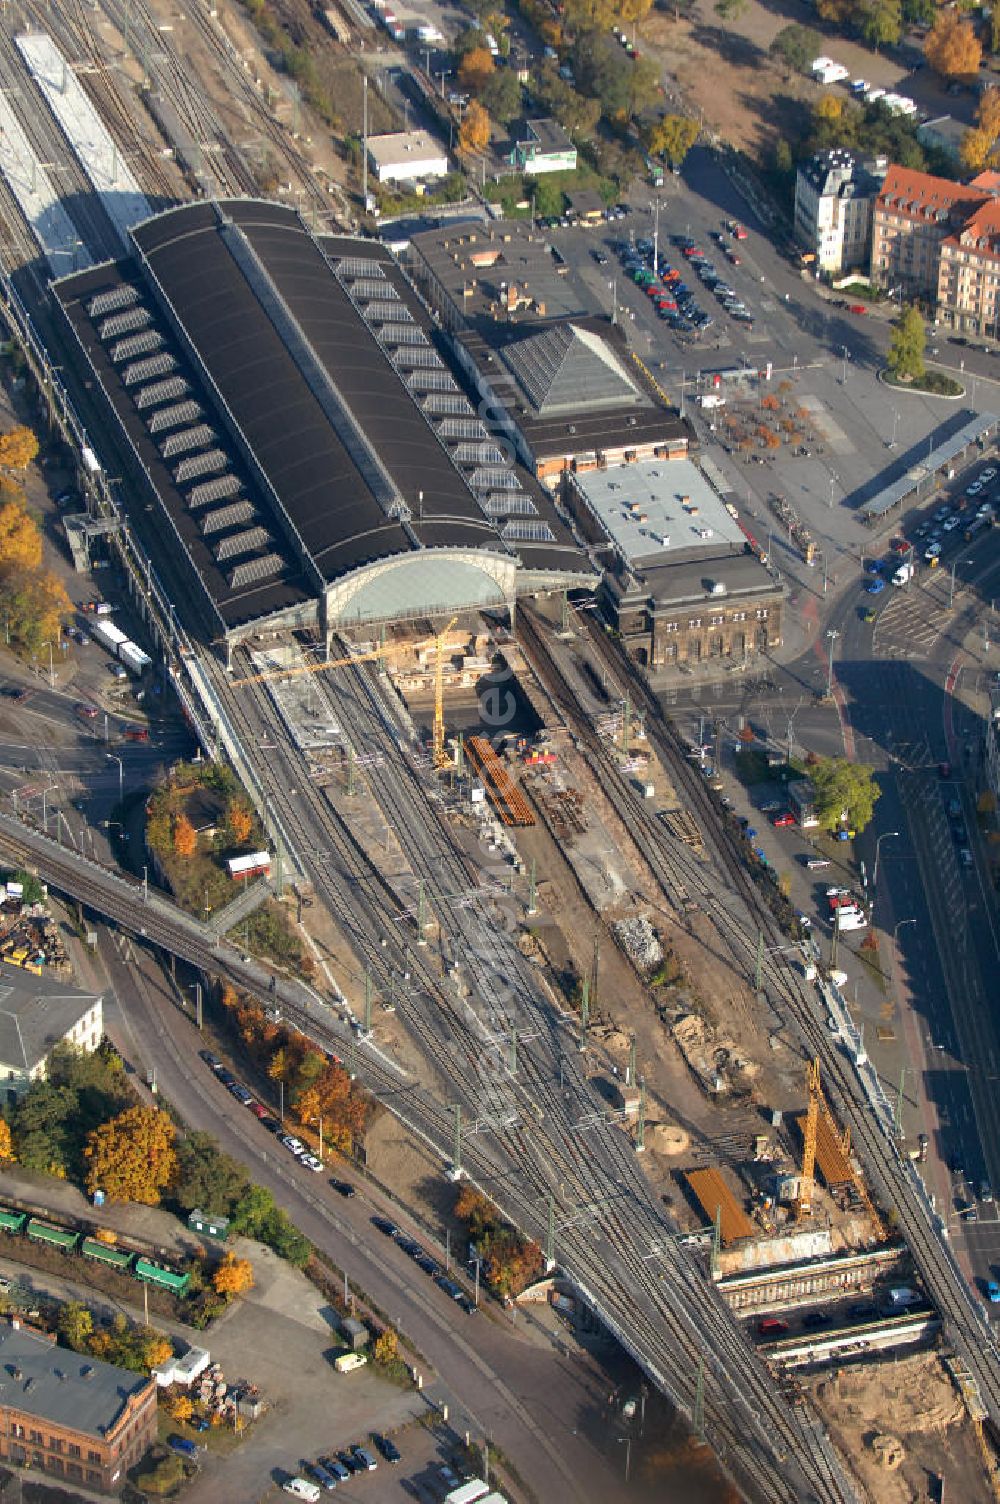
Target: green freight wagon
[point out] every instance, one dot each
(118, 1258)
(44, 1232)
(156, 1274)
(12, 1221)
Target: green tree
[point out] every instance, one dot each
(880, 22)
(206, 1177)
(42, 1128)
(784, 162)
(672, 136)
(549, 197)
(501, 96)
(796, 46)
(75, 1326)
(251, 1212)
(920, 12)
(842, 789)
(906, 346)
(730, 10)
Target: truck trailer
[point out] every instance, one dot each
(108, 635)
(133, 657)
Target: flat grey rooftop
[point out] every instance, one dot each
(657, 511)
(57, 1385)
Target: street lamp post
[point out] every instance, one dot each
(833, 482)
(843, 379)
(895, 423)
(832, 634)
(52, 672)
(145, 884)
(878, 844)
(113, 756)
(52, 789)
(951, 593)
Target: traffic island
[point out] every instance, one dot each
(931, 384)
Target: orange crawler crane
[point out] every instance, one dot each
(506, 797)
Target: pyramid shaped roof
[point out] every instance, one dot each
(567, 369)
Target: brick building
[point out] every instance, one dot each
(682, 584)
(75, 1419)
(938, 240)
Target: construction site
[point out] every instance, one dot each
(737, 1132)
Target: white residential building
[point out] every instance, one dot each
(36, 1014)
(834, 194)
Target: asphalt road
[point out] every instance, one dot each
(536, 1404)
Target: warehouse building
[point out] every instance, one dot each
(295, 450)
(407, 157)
(72, 1418)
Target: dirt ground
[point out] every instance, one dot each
(920, 1407)
(723, 70)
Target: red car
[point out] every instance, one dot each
(857, 308)
(899, 546)
(783, 820)
(259, 1111)
(90, 711)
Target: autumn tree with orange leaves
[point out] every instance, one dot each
(185, 837)
(510, 1262)
(239, 821)
(18, 448)
(952, 48)
(234, 1276)
(474, 132)
(33, 601)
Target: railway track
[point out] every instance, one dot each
(655, 1296)
(966, 1323)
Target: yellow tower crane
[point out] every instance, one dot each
(316, 668)
(803, 1203)
(440, 756)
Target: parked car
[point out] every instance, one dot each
(388, 1448)
(876, 587)
(365, 1458)
(312, 1163)
(293, 1145)
(784, 820)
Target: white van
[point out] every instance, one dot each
(349, 1361)
(301, 1488)
(903, 574)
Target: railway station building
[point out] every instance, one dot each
(682, 583)
(296, 449)
(556, 381)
